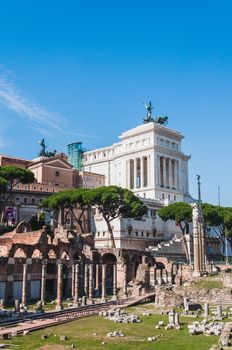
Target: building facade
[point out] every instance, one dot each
(147, 160)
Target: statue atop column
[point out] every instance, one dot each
(162, 120)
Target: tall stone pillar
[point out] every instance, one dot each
(142, 172)
(86, 280)
(103, 282)
(97, 278)
(24, 285)
(73, 281)
(91, 282)
(43, 284)
(135, 173)
(164, 172)
(125, 281)
(196, 242)
(59, 305)
(203, 248)
(76, 285)
(115, 281)
(170, 173)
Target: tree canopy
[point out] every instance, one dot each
(10, 176)
(110, 201)
(218, 219)
(66, 202)
(181, 213)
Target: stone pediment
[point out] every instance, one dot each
(58, 163)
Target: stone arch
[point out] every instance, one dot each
(76, 256)
(52, 254)
(36, 254)
(109, 260)
(160, 265)
(137, 260)
(64, 256)
(20, 253)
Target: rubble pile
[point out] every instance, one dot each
(119, 316)
(206, 327)
(225, 338)
(116, 334)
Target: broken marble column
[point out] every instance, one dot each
(2, 303)
(86, 280)
(206, 310)
(103, 282)
(91, 283)
(43, 284)
(115, 281)
(17, 305)
(73, 281)
(152, 276)
(176, 318)
(76, 285)
(219, 311)
(24, 285)
(171, 317)
(186, 305)
(59, 305)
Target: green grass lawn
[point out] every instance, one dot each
(81, 333)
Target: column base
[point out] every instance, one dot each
(103, 300)
(114, 297)
(197, 274)
(59, 307)
(90, 301)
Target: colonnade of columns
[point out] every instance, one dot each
(160, 276)
(91, 283)
(168, 170)
(138, 172)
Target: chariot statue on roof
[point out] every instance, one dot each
(162, 120)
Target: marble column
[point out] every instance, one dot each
(203, 248)
(97, 279)
(91, 282)
(125, 281)
(196, 247)
(103, 282)
(164, 172)
(76, 285)
(73, 281)
(115, 281)
(43, 284)
(135, 174)
(59, 305)
(86, 281)
(161, 176)
(142, 172)
(158, 171)
(170, 173)
(24, 285)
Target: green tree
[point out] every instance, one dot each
(114, 201)
(181, 213)
(219, 220)
(69, 202)
(13, 175)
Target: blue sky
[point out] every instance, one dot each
(81, 70)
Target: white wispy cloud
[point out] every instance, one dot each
(14, 99)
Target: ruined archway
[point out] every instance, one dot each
(36, 254)
(20, 253)
(109, 260)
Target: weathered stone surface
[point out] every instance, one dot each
(119, 316)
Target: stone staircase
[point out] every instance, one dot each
(171, 248)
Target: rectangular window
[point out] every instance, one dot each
(57, 173)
